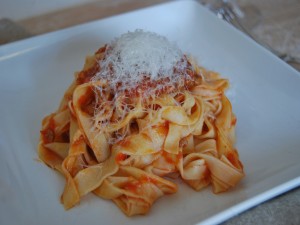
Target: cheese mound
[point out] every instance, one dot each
(139, 56)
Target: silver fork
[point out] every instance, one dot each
(225, 11)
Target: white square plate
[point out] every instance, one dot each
(265, 94)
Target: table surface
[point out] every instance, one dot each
(275, 22)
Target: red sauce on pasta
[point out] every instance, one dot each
(121, 157)
(233, 157)
(133, 186)
(170, 158)
(48, 134)
(87, 102)
(147, 179)
(136, 185)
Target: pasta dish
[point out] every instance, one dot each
(137, 116)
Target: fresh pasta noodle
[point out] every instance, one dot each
(137, 114)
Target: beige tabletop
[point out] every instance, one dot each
(274, 22)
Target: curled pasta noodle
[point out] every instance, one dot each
(125, 147)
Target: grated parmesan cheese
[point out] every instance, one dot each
(138, 56)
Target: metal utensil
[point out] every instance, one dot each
(225, 10)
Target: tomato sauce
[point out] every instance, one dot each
(125, 143)
(121, 157)
(169, 157)
(179, 156)
(78, 141)
(146, 179)
(136, 185)
(234, 159)
(85, 76)
(87, 102)
(101, 50)
(172, 158)
(233, 122)
(133, 186)
(163, 129)
(48, 134)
